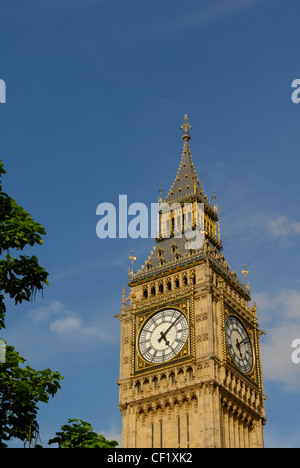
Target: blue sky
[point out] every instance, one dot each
(96, 93)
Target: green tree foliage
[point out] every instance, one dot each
(80, 434)
(21, 389)
(22, 276)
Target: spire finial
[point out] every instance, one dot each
(245, 272)
(132, 258)
(185, 127)
(160, 192)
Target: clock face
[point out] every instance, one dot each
(163, 336)
(239, 345)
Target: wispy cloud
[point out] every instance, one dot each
(206, 13)
(280, 317)
(66, 323)
(54, 329)
(258, 226)
(283, 226)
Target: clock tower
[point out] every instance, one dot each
(190, 370)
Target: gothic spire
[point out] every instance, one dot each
(186, 183)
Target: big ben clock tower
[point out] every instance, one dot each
(190, 370)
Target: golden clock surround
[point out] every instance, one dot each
(254, 375)
(249, 334)
(186, 354)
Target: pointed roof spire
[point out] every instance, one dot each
(186, 183)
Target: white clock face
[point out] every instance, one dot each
(163, 336)
(239, 344)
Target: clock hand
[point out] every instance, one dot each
(163, 335)
(239, 343)
(238, 347)
(246, 339)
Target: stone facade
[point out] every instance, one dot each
(200, 398)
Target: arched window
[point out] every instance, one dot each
(172, 376)
(160, 253)
(154, 381)
(138, 386)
